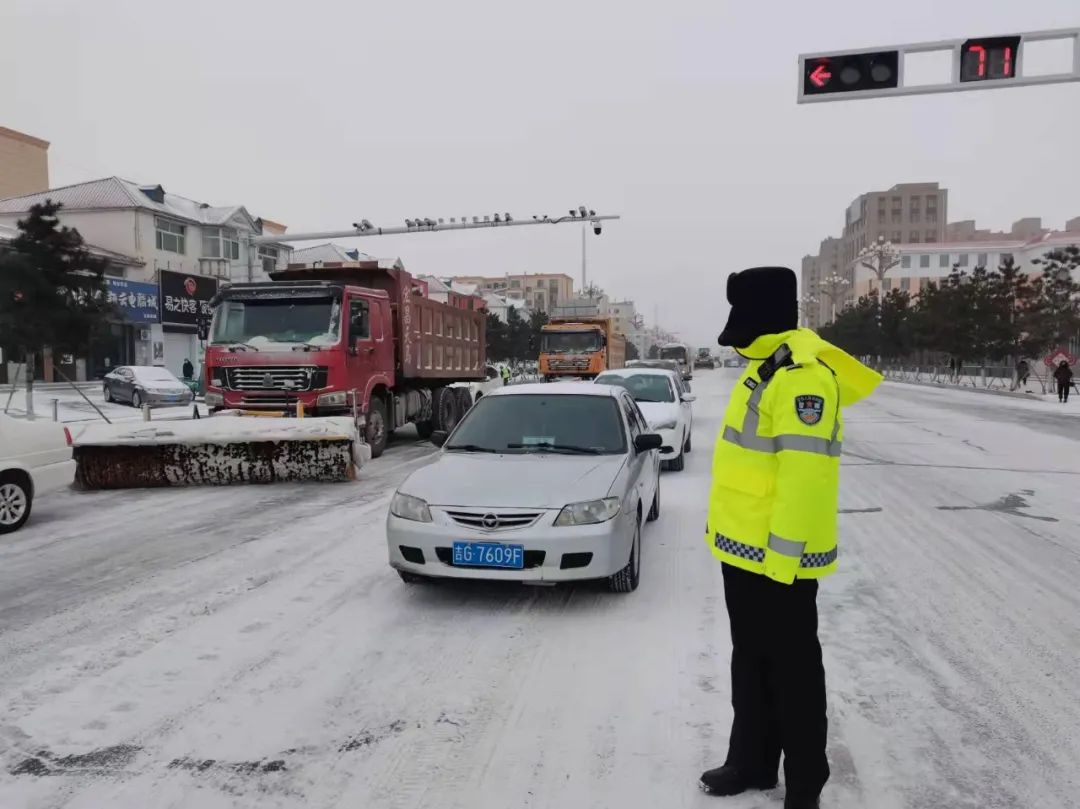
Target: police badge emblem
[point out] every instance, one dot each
(809, 408)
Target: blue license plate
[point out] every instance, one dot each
(489, 554)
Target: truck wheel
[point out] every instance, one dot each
(445, 410)
(376, 433)
(464, 397)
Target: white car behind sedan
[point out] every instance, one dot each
(660, 395)
(35, 457)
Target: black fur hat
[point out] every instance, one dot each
(764, 300)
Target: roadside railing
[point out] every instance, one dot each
(978, 377)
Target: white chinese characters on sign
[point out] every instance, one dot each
(132, 300)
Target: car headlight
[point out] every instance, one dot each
(408, 507)
(588, 512)
(336, 399)
(668, 424)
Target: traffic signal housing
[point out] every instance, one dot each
(851, 73)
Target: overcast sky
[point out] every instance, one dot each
(680, 116)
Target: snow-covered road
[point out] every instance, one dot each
(249, 647)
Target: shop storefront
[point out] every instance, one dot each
(183, 298)
(128, 339)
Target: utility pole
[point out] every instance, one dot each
(584, 281)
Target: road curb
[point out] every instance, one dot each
(1030, 397)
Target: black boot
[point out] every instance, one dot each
(797, 802)
(727, 780)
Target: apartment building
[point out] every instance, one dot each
(816, 298)
(24, 163)
(908, 213)
(541, 291)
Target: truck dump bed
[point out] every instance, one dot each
(432, 340)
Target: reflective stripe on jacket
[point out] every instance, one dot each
(776, 465)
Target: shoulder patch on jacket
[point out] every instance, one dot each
(809, 408)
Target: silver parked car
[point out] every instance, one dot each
(145, 384)
(540, 483)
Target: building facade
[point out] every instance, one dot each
(908, 213)
(541, 291)
(24, 163)
(184, 247)
(921, 264)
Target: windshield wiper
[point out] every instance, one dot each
(307, 347)
(239, 346)
(558, 448)
(471, 448)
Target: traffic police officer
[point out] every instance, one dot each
(772, 523)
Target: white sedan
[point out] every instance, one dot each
(35, 457)
(537, 483)
(666, 406)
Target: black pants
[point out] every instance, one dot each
(777, 681)
(1063, 391)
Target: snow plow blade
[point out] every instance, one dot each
(216, 451)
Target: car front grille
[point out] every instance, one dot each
(278, 378)
(571, 364)
(494, 520)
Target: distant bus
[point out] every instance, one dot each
(681, 354)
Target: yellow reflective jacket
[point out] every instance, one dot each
(776, 466)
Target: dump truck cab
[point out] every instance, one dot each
(580, 347)
(354, 338)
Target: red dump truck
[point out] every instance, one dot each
(343, 338)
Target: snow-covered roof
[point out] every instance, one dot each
(434, 284)
(464, 289)
(117, 193)
(8, 233)
(326, 252)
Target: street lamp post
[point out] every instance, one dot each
(834, 287)
(879, 257)
(806, 304)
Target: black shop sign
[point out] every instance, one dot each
(184, 299)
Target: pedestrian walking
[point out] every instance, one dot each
(1063, 375)
(188, 370)
(1023, 371)
(506, 374)
(772, 524)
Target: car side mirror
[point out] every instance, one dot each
(438, 438)
(688, 397)
(647, 441)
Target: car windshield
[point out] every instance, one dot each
(277, 321)
(556, 341)
(154, 374)
(537, 422)
(643, 387)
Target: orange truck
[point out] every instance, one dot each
(581, 347)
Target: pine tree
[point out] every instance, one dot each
(52, 289)
(496, 338)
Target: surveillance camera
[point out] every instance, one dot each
(597, 227)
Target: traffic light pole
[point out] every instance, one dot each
(985, 63)
(365, 228)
